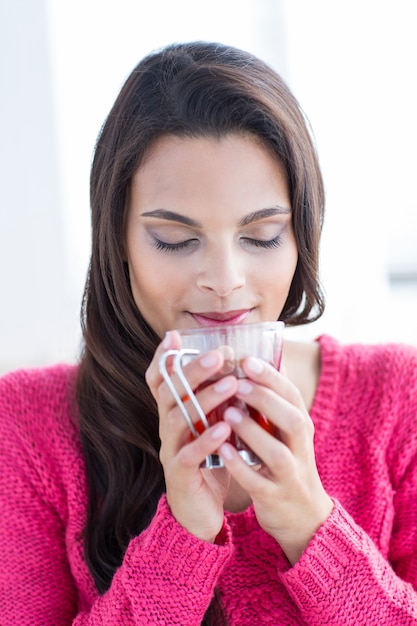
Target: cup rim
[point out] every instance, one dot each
(272, 325)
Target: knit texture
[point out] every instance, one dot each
(359, 569)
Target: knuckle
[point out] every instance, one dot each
(187, 456)
(268, 492)
(164, 394)
(163, 456)
(280, 460)
(295, 396)
(149, 377)
(174, 421)
(297, 424)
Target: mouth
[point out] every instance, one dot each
(214, 318)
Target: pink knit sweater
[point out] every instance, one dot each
(359, 569)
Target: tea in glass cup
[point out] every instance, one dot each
(237, 342)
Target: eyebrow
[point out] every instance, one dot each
(261, 214)
(248, 219)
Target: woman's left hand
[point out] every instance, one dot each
(288, 497)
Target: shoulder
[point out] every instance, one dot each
(38, 427)
(37, 379)
(373, 387)
(44, 391)
(385, 365)
(328, 369)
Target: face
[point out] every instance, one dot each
(209, 237)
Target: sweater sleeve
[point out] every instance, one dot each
(343, 577)
(36, 585)
(167, 576)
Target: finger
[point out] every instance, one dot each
(265, 374)
(293, 425)
(275, 454)
(192, 455)
(251, 480)
(208, 398)
(201, 369)
(171, 341)
(196, 372)
(173, 428)
(184, 379)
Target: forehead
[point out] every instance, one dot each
(200, 173)
(183, 149)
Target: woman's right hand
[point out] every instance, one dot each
(195, 495)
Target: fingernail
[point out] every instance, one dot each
(225, 452)
(209, 359)
(254, 365)
(224, 384)
(219, 431)
(244, 386)
(233, 415)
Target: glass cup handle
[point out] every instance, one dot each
(177, 365)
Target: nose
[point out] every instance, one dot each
(221, 271)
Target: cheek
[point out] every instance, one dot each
(288, 263)
(276, 275)
(154, 279)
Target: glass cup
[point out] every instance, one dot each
(263, 340)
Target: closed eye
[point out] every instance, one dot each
(262, 243)
(190, 244)
(174, 247)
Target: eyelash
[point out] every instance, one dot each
(183, 245)
(270, 243)
(173, 247)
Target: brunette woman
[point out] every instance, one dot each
(207, 207)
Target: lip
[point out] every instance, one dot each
(214, 318)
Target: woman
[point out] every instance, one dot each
(207, 205)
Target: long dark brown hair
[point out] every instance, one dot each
(187, 90)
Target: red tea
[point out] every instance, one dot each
(216, 415)
(236, 342)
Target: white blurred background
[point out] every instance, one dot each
(352, 65)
